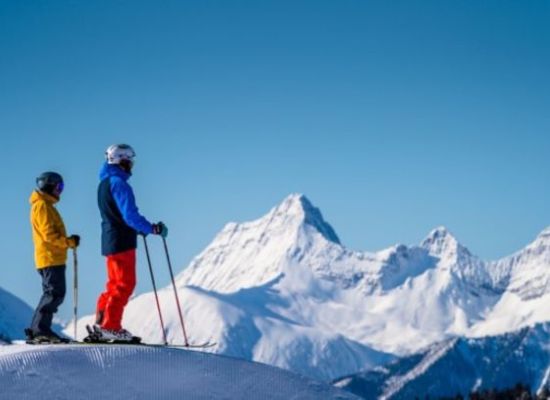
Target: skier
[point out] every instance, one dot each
(50, 254)
(121, 223)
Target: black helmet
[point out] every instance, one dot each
(49, 181)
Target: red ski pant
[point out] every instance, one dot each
(121, 281)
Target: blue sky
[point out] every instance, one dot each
(392, 117)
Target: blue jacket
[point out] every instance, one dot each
(120, 218)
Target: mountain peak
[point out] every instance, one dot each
(542, 241)
(440, 233)
(252, 253)
(440, 241)
(300, 206)
(544, 235)
(293, 203)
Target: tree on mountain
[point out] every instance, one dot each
(458, 396)
(544, 394)
(518, 392)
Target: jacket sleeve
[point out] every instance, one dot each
(126, 203)
(46, 228)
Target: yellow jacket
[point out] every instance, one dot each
(48, 232)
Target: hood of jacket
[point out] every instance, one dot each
(109, 170)
(37, 195)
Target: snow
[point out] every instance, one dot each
(283, 290)
(460, 365)
(137, 372)
(15, 316)
(545, 380)
(396, 383)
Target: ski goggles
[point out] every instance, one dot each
(59, 187)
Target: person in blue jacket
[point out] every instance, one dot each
(121, 222)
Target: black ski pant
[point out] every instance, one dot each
(53, 293)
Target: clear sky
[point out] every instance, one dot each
(393, 117)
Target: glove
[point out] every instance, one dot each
(73, 241)
(160, 229)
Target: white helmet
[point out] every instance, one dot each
(118, 152)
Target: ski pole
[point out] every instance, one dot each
(155, 289)
(75, 290)
(175, 291)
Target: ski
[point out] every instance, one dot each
(183, 346)
(49, 342)
(94, 337)
(123, 343)
(167, 346)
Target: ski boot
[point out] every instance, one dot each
(44, 338)
(97, 334)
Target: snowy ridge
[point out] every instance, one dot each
(527, 277)
(396, 383)
(283, 290)
(253, 253)
(137, 372)
(461, 365)
(15, 316)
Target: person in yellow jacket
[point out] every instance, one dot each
(50, 255)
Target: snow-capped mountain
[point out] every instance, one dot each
(283, 290)
(461, 365)
(526, 275)
(15, 316)
(255, 253)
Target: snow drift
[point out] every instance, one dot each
(137, 372)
